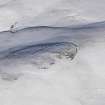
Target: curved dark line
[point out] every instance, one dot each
(33, 49)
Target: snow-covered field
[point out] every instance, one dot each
(52, 52)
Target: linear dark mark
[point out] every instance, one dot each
(55, 47)
(90, 26)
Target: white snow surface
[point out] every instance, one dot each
(77, 82)
(56, 13)
(47, 78)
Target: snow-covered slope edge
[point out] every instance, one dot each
(28, 13)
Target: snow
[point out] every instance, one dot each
(70, 82)
(66, 83)
(35, 68)
(59, 13)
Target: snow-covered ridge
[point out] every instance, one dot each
(28, 13)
